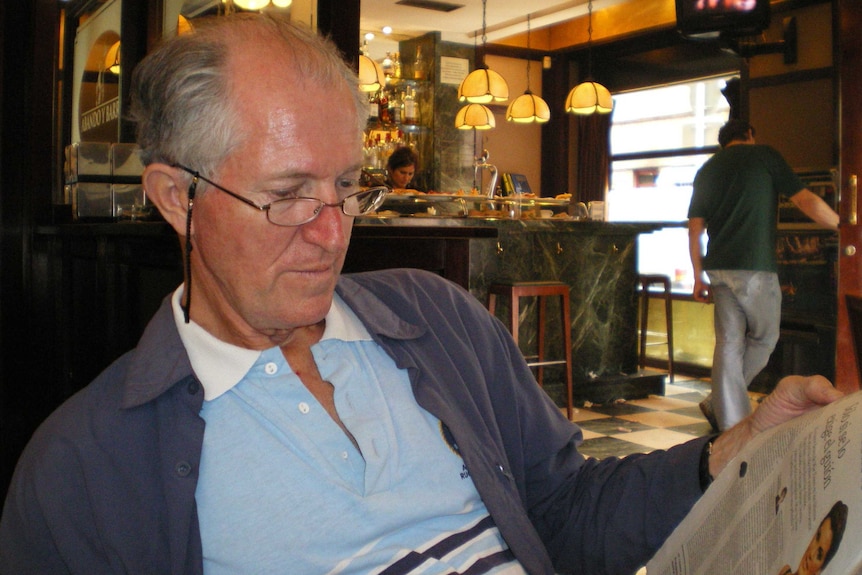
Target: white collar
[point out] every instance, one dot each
(220, 365)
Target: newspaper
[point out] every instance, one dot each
(789, 504)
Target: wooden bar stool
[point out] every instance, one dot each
(645, 282)
(541, 290)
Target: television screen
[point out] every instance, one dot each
(710, 18)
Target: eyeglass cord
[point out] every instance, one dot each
(187, 304)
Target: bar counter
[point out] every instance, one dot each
(106, 280)
(597, 260)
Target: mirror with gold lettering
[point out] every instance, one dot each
(96, 79)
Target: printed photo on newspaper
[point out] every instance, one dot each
(789, 504)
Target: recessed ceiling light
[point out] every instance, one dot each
(369, 36)
(387, 30)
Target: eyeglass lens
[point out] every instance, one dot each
(295, 211)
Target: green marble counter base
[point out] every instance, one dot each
(597, 260)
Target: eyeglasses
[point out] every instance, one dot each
(289, 212)
(286, 212)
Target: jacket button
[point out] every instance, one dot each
(194, 387)
(183, 468)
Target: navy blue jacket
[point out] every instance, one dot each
(107, 483)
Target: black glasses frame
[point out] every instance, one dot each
(378, 193)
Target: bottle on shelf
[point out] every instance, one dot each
(411, 108)
(396, 108)
(383, 108)
(373, 108)
(419, 72)
(388, 65)
(380, 142)
(396, 65)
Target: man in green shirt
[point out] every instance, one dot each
(735, 201)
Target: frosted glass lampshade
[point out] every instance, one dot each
(589, 98)
(112, 58)
(371, 76)
(251, 4)
(482, 86)
(528, 108)
(475, 117)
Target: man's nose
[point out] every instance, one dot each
(330, 228)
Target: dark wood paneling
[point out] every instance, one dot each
(28, 35)
(850, 268)
(555, 133)
(339, 19)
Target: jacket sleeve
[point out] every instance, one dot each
(611, 516)
(47, 527)
(607, 516)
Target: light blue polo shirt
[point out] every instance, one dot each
(283, 490)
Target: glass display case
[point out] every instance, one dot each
(472, 205)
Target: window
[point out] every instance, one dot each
(659, 139)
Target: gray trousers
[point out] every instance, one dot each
(747, 323)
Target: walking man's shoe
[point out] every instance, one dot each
(706, 409)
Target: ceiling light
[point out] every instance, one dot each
(475, 117)
(528, 108)
(387, 30)
(260, 4)
(371, 77)
(589, 97)
(482, 85)
(112, 58)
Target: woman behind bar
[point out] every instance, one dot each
(401, 167)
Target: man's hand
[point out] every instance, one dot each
(793, 396)
(696, 229)
(701, 291)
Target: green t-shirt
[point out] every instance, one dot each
(736, 193)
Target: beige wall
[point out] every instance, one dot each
(797, 117)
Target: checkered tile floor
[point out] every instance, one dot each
(644, 425)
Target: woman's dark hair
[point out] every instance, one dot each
(838, 517)
(401, 158)
(734, 130)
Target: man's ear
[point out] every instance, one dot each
(167, 188)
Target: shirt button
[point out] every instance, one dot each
(303, 408)
(343, 455)
(270, 368)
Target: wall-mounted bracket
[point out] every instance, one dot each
(787, 45)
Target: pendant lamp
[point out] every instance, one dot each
(261, 4)
(371, 77)
(589, 97)
(475, 117)
(528, 108)
(483, 85)
(112, 58)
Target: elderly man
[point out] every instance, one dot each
(278, 418)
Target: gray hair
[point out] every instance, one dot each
(180, 92)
